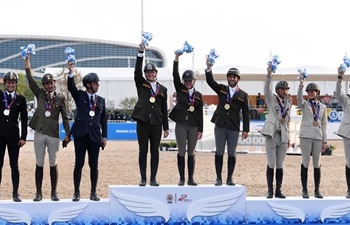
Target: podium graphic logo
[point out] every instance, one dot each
(183, 197)
(148, 207)
(170, 198)
(290, 212)
(63, 215)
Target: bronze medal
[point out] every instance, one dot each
(152, 99)
(6, 112)
(227, 106)
(191, 109)
(315, 123)
(283, 120)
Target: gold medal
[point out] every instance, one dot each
(152, 99)
(315, 123)
(191, 109)
(283, 120)
(227, 106)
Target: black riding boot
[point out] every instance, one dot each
(39, 171)
(143, 168)
(54, 180)
(181, 167)
(15, 182)
(269, 178)
(190, 167)
(303, 174)
(347, 175)
(94, 179)
(218, 169)
(231, 163)
(279, 179)
(317, 179)
(154, 169)
(76, 179)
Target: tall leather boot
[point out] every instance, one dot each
(15, 182)
(154, 169)
(279, 179)
(54, 180)
(347, 175)
(190, 167)
(143, 168)
(303, 174)
(76, 179)
(94, 179)
(269, 178)
(218, 169)
(39, 171)
(317, 179)
(231, 163)
(181, 167)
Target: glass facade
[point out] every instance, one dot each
(88, 52)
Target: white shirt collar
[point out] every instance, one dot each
(12, 93)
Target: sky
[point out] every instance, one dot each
(244, 32)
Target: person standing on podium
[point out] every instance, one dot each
(188, 115)
(89, 129)
(45, 122)
(344, 128)
(312, 134)
(276, 131)
(151, 114)
(13, 106)
(232, 100)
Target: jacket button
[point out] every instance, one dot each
(90, 124)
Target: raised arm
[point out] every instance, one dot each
(338, 92)
(300, 99)
(210, 79)
(176, 74)
(32, 84)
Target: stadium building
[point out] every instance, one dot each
(89, 53)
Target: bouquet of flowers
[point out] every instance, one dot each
(329, 149)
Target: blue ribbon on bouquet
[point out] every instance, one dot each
(303, 74)
(26, 50)
(345, 64)
(147, 36)
(186, 48)
(274, 62)
(70, 55)
(212, 56)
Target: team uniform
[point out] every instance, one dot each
(276, 132)
(313, 133)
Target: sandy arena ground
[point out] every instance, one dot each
(118, 165)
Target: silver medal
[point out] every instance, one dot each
(6, 112)
(92, 113)
(47, 113)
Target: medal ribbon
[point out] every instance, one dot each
(283, 113)
(228, 94)
(8, 106)
(313, 107)
(93, 107)
(154, 94)
(192, 98)
(49, 104)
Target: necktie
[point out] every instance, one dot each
(92, 99)
(9, 98)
